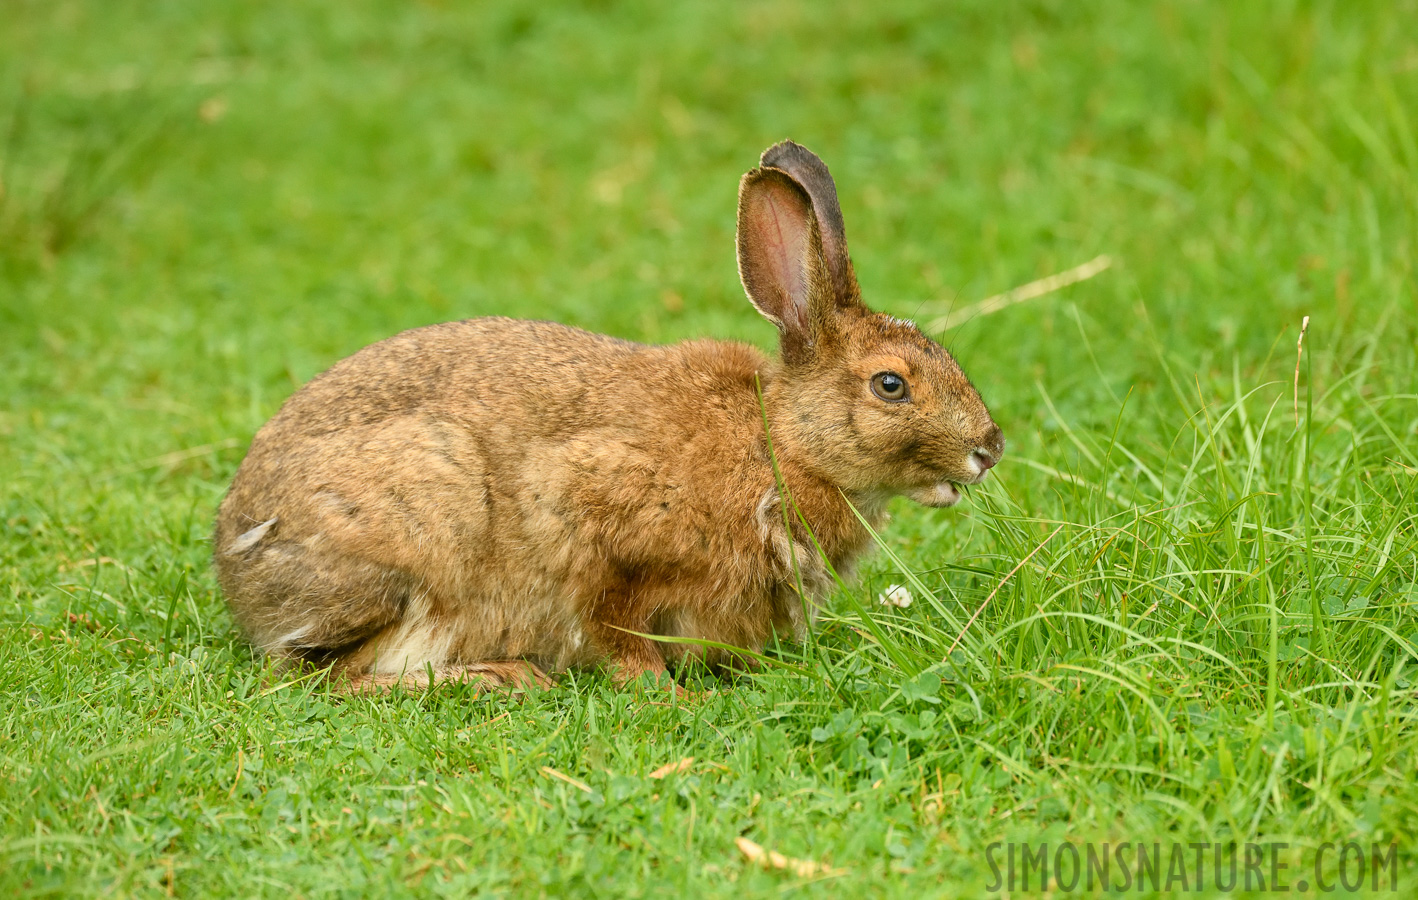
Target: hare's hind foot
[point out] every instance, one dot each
(515, 674)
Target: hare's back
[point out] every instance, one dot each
(475, 368)
(426, 432)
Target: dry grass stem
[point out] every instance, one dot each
(581, 786)
(1030, 291)
(1017, 566)
(673, 768)
(770, 859)
(1299, 353)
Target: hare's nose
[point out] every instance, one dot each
(984, 460)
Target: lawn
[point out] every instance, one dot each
(1192, 588)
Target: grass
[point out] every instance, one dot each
(1213, 639)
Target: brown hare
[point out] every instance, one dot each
(491, 499)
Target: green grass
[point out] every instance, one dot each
(1214, 639)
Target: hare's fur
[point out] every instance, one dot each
(479, 499)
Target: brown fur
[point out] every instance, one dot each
(463, 496)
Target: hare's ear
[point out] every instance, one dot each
(811, 174)
(781, 262)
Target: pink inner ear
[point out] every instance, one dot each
(778, 240)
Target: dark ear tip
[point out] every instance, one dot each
(781, 154)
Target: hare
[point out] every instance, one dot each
(493, 499)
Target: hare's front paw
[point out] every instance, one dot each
(514, 673)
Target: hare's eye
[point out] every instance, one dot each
(889, 386)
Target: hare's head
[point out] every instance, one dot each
(872, 403)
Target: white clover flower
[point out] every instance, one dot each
(894, 595)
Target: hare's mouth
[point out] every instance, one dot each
(940, 494)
